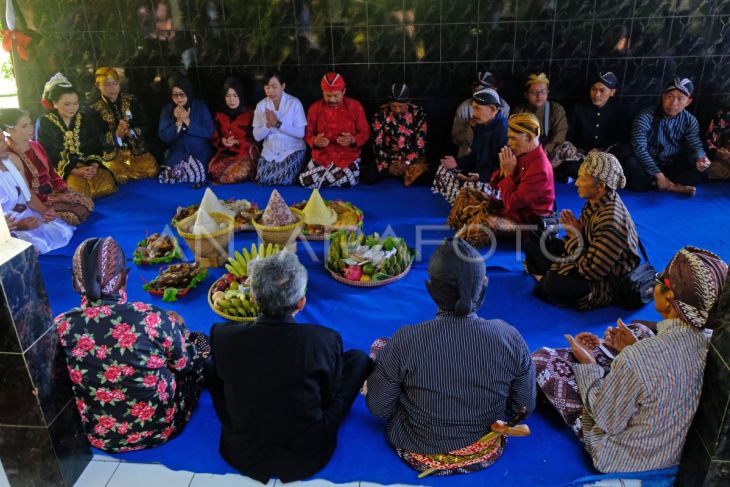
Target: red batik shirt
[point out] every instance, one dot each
(347, 117)
(530, 191)
(399, 136)
(122, 359)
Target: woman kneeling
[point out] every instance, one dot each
(136, 370)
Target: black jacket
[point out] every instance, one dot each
(273, 391)
(598, 128)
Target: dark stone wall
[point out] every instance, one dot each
(436, 46)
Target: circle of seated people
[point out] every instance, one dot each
(138, 389)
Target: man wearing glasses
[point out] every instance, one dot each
(550, 114)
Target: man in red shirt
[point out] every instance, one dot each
(336, 131)
(524, 183)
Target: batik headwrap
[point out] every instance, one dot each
(683, 85)
(332, 82)
(607, 78)
(98, 267)
(534, 79)
(103, 73)
(399, 92)
(696, 277)
(524, 123)
(457, 275)
(486, 96)
(605, 167)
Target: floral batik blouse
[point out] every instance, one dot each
(123, 359)
(401, 135)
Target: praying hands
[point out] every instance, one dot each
(271, 119)
(507, 161)
(182, 115)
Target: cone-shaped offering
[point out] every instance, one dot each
(211, 204)
(316, 211)
(204, 224)
(277, 212)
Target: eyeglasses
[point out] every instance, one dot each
(538, 92)
(179, 94)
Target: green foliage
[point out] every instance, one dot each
(6, 69)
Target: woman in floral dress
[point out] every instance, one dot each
(136, 370)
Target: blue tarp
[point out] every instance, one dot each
(552, 455)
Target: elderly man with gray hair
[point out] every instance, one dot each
(281, 389)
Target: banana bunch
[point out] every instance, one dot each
(341, 244)
(238, 263)
(235, 301)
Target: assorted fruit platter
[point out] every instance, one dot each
(230, 296)
(244, 211)
(322, 217)
(157, 249)
(176, 280)
(360, 260)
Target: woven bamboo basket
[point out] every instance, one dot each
(283, 236)
(241, 319)
(384, 282)
(210, 250)
(335, 227)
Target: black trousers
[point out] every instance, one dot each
(553, 287)
(356, 367)
(680, 171)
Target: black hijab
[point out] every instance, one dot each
(236, 85)
(183, 83)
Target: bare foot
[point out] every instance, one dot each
(682, 189)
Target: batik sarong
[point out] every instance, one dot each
(316, 176)
(447, 184)
(476, 218)
(556, 379)
(477, 456)
(188, 170)
(275, 173)
(128, 166)
(72, 207)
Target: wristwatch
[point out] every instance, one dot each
(278, 124)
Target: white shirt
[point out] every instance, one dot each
(280, 142)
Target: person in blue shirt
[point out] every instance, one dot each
(186, 126)
(667, 150)
(474, 168)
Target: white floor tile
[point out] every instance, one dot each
(96, 474)
(372, 484)
(148, 475)
(101, 457)
(318, 483)
(3, 478)
(228, 480)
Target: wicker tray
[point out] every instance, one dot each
(333, 228)
(241, 319)
(245, 227)
(175, 253)
(384, 282)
